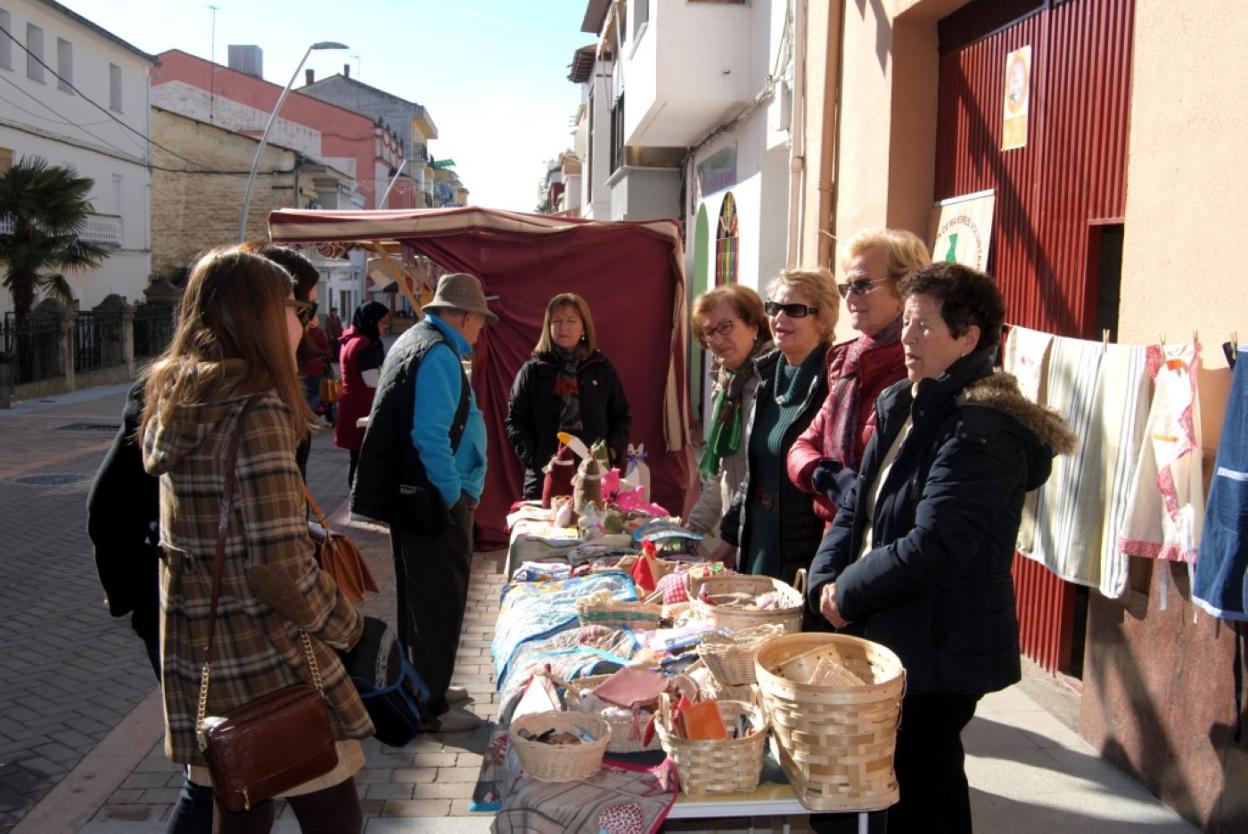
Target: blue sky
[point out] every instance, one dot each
(491, 73)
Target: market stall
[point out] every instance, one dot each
(631, 274)
(638, 662)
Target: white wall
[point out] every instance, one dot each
(689, 65)
(66, 129)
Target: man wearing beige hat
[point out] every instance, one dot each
(421, 470)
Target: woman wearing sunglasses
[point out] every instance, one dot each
(360, 360)
(771, 524)
(730, 323)
(828, 453)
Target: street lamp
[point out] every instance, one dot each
(264, 138)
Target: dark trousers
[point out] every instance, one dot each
(935, 798)
(431, 576)
(334, 810)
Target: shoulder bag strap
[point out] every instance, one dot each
(223, 526)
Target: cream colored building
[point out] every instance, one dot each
(1123, 211)
(85, 107)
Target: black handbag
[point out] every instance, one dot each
(391, 690)
(272, 743)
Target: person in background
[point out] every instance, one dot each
(230, 373)
(729, 322)
(422, 470)
(360, 359)
(827, 455)
(568, 385)
(315, 352)
(306, 279)
(919, 555)
(333, 329)
(771, 522)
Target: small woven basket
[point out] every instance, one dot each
(789, 615)
(717, 691)
(717, 766)
(552, 763)
(835, 741)
(730, 657)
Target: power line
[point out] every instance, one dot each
(95, 104)
(61, 119)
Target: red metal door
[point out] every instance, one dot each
(1070, 174)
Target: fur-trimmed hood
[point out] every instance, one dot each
(1000, 391)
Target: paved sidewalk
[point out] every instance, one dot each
(1028, 771)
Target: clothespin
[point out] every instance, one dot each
(1104, 339)
(1231, 349)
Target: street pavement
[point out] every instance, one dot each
(80, 719)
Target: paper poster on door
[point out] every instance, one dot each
(1016, 100)
(961, 229)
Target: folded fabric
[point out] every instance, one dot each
(632, 687)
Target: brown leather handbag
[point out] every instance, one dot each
(277, 741)
(340, 558)
(331, 390)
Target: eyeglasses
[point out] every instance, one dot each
(723, 330)
(305, 311)
(861, 286)
(793, 311)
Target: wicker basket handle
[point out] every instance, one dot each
(799, 581)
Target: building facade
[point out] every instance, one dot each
(77, 97)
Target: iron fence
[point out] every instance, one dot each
(34, 347)
(98, 340)
(153, 328)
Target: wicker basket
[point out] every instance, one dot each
(551, 763)
(620, 728)
(730, 657)
(835, 743)
(737, 619)
(717, 766)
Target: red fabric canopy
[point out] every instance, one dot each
(632, 276)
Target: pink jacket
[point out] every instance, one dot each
(878, 368)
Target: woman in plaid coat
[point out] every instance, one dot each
(235, 343)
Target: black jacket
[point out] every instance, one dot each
(533, 413)
(936, 586)
(123, 521)
(800, 528)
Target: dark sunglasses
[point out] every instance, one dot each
(305, 311)
(793, 311)
(860, 287)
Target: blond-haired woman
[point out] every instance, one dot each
(230, 371)
(567, 385)
(826, 455)
(730, 323)
(771, 523)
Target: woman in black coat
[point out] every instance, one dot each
(567, 386)
(919, 555)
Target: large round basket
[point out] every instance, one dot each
(789, 614)
(621, 728)
(552, 763)
(718, 766)
(835, 740)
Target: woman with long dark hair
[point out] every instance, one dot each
(229, 375)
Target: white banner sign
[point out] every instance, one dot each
(961, 229)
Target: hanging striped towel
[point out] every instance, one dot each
(1125, 390)
(1026, 356)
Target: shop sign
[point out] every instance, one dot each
(1016, 100)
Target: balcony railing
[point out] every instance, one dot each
(103, 230)
(100, 229)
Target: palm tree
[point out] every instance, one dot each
(43, 209)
